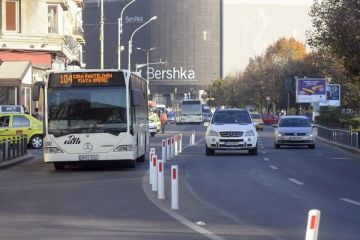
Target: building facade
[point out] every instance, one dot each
(185, 38)
(38, 35)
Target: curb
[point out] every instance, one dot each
(351, 149)
(9, 163)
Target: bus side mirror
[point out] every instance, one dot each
(135, 97)
(36, 90)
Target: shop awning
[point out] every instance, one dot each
(13, 73)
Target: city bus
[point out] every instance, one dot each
(94, 115)
(188, 111)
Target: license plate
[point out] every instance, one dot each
(231, 143)
(88, 157)
(295, 138)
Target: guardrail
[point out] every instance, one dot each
(12, 148)
(340, 136)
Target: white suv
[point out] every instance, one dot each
(231, 129)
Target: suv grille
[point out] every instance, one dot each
(231, 134)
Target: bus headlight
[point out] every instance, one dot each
(124, 148)
(52, 150)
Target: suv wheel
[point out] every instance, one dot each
(36, 142)
(253, 151)
(209, 151)
(312, 146)
(276, 145)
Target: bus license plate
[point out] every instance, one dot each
(88, 157)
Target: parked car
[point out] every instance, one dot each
(294, 131)
(270, 119)
(154, 124)
(231, 129)
(257, 120)
(19, 124)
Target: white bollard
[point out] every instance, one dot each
(161, 188)
(180, 142)
(313, 223)
(151, 153)
(190, 141)
(176, 139)
(193, 138)
(174, 187)
(168, 153)
(172, 148)
(154, 175)
(163, 150)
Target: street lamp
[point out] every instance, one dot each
(132, 35)
(120, 32)
(147, 59)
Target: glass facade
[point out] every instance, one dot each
(186, 35)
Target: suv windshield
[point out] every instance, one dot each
(229, 117)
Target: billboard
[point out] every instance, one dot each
(333, 95)
(310, 90)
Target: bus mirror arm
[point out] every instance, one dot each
(36, 90)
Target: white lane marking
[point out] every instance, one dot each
(266, 159)
(263, 152)
(273, 167)
(178, 217)
(350, 201)
(340, 158)
(293, 180)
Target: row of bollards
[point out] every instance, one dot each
(13, 147)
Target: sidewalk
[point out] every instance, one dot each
(9, 163)
(351, 149)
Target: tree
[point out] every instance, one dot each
(337, 32)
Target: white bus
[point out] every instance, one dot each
(188, 111)
(94, 115)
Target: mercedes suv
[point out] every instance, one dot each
(231, 129)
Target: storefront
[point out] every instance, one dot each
(15, 83)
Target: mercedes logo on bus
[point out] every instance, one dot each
(88, 147)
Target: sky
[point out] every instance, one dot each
(250, 26)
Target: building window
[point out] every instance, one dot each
(12, 11)
(53, 19)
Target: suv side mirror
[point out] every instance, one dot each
(206, 124)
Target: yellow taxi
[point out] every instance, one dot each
(154, 123)
(257, 120)
(19, 124)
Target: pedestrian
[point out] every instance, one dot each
(25, 109)
(163, 120)
(37, 114)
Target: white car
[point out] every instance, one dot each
(231, 129)
(294, 131)
(152, 128)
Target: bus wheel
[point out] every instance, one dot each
(131, 163)
(141, 158)
(59, 166)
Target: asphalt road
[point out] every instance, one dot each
(231, 195)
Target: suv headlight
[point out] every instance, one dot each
(213, 133)
(279, 134)
(250, 133)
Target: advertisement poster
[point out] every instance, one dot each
(333, 95)
(309, 90)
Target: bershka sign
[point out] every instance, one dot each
(171, 74)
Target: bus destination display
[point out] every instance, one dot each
(86, 79)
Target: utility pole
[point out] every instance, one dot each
(102, 34)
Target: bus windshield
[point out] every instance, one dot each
(86, 110)
(191, 107)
